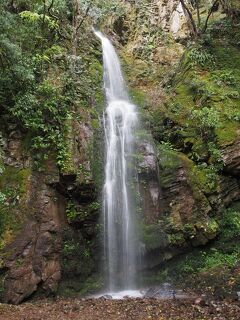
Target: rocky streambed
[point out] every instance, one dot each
(130, 309)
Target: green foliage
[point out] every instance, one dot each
(205, 261)
(100, 9)
(225, 78)
(76, 257)
(81, 213)
(36, 103)
(197, 56)
(214, 259)
(206, 177)
(41, 83)
(230, 224)
(176, 239)
(35, 18)
(166, 145)
(208, 117)
(43, 112)
(13, 185)
(70, 248)
(71, 212)
(209, 269)
(94, 206)
(83, 174)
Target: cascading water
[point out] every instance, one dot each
(120, 122)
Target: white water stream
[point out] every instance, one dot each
(120, 122)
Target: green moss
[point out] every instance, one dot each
(139, 98)
(206, 178)
(223, 52)
(184, 96)
(154, 236)
(204, 103)
(14, 184)
(227, 134)
(14, 177)
(211, 229)
(189, 230)
(168, 159)
(213, 269)
(96, 74)
(75, 288)
(91, 285)
(176, 239)
(76, 213)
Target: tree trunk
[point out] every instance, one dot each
(190, 18)
(76, 15)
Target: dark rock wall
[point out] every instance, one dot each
(56, 236)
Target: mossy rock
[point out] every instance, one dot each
(154, 236)
(14, 185)
(15, 177)
(227, 134)
(76, 287)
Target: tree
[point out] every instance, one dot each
(192, 8)
(231, 7)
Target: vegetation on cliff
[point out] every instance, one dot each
(190, 103)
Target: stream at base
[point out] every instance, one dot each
(163, 292)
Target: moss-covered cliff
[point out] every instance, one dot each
(51, 162)
(188, 91)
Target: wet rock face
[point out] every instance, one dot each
(34, 262)
(179, 201)
(181, 215)
(12, 148)
(83, 135)
(228, 192)
(168, 15)
(231, 158)
(31, 262)
(172, 18)
(148, 181)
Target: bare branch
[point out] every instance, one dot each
(51, 5)
(209, 15)
(44, 13)
(50, 12)
(198, 12)
(84, 17)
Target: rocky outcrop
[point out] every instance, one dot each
(51, 209)
(149, 181)
(228, 192)
(178, 24)
(231, 158)
(184, 215)
(34, 260)
(171, 17)
(167, 15)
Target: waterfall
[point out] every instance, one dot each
(120, 121)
